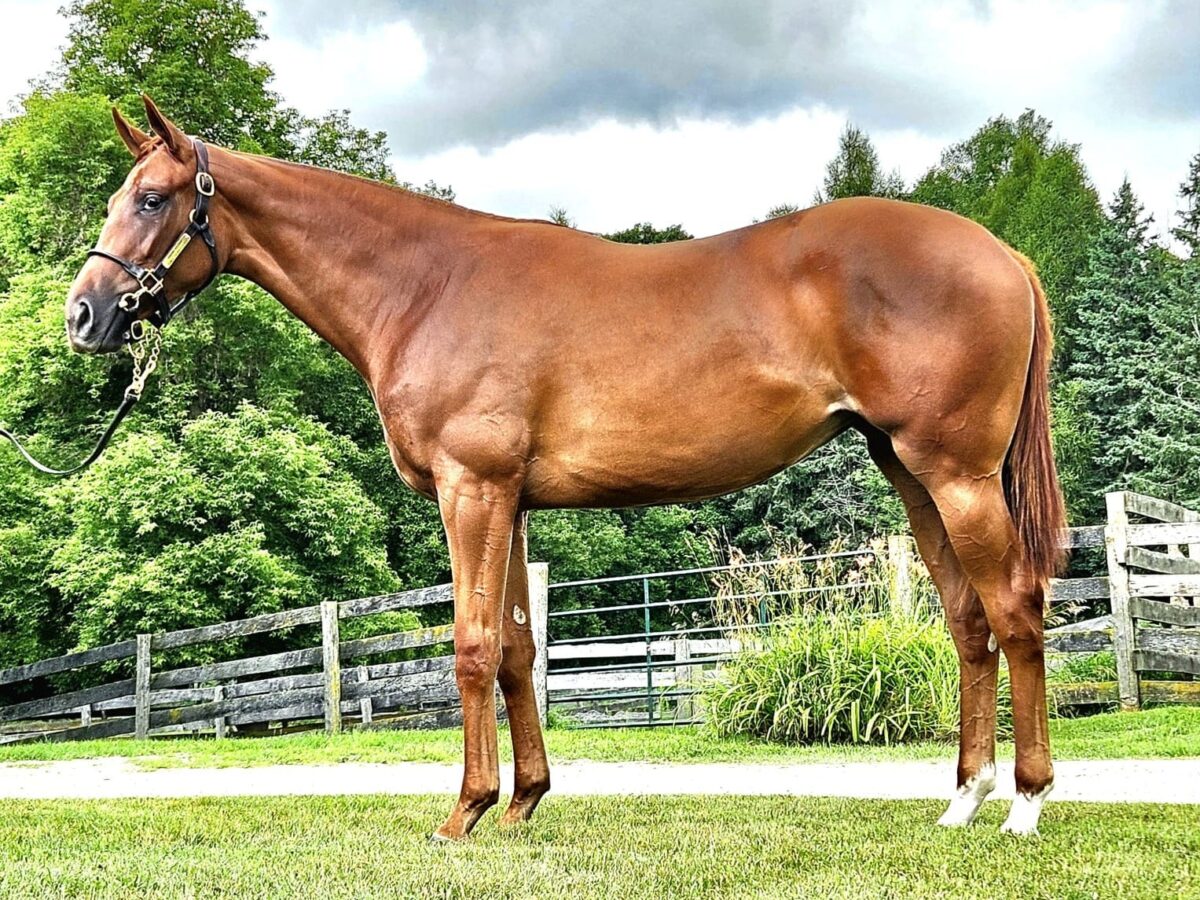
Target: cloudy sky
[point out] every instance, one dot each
(708, 112)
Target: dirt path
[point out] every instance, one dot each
(1122, 781)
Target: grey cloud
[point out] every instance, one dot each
(500, 70)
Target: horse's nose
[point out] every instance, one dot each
(83, 318)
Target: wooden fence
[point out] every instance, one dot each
(1152, 556)
(1151, 583)
(333, 681)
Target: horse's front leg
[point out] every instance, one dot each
(478, 514)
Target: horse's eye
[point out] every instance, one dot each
(152, 202)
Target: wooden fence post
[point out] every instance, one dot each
(365, 706)
(219, 721)
(330, 646)
(685, 708)
(85, 715)
(1116, 543)
(141, 689)
(900, 593)
(539, 610)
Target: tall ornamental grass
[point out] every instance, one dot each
(841, 678)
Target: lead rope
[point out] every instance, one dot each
(145, 346)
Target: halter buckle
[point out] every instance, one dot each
(205, 184)
(150, 283)
(129, 302)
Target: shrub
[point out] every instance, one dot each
(842, 679)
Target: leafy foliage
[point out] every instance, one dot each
(253, 476)
(1030, 190)
(645, 233)
(854, 172)
(192, 56)
(248, 513)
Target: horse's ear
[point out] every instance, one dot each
(177, 142)
(133, 136)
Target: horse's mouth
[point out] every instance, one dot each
(110, 340)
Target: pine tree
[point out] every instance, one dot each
(1188, 231)
(1114, 344)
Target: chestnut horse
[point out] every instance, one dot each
(520, 365)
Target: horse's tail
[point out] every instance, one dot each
(1031, 486)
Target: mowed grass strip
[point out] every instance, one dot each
(339, 847)
(1161, 733)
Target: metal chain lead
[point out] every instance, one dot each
(145, 350)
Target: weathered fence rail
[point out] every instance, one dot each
(331, 681)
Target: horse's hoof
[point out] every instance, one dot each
(1026, 810)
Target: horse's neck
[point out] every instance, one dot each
(346, 256)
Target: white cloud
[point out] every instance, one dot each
(345, 65)
(708, 175)
(33, 32)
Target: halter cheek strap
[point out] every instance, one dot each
(151, 282)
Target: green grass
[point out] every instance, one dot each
(341, 847)
(1155, 733)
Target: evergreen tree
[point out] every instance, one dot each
(1114, 347)
(1188, 230)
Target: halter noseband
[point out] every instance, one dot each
(151, 282)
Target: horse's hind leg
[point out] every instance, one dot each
(977, 519)
(977, 661)
(531, 770)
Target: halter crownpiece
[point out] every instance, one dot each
(151, 282)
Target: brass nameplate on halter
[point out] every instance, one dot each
(173, 253)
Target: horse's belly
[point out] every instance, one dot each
(671, 450)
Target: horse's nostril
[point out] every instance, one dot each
(83, 317)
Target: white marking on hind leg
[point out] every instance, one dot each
(970, 797)
(992, 643)
(1025, 812)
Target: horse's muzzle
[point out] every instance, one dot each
(93, 327)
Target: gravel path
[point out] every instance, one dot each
(1123, 781)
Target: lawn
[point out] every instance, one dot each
(1164, 732)
(340, 847)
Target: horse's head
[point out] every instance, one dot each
(146, 218)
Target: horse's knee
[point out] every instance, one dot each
(476, 662)
(516, 664)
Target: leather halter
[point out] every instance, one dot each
(151, 282)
